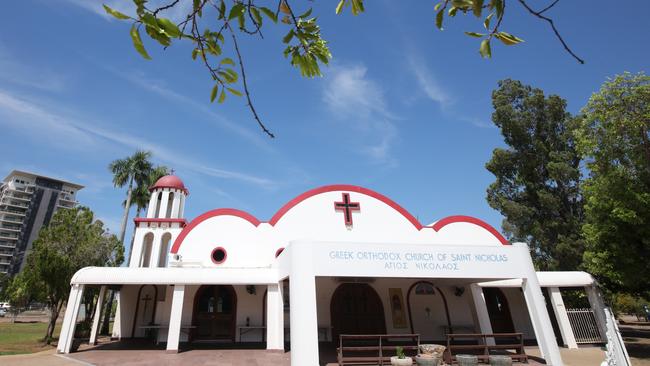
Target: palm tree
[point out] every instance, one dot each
(133, 169)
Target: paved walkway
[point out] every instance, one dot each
(142, 354)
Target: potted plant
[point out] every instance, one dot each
(430, 355)
(401, 359)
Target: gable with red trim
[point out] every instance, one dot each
(342, 213)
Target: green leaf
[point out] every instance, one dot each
(486, 23)
(150, 20)
(234, 92)
(222, 96)
(474, 34)
(257, 16)
(137, 42)
(170, 28)
(478, 7)
(508, 39)
(195, 52)
(213, 95)
(306, 14)
(339, 7)
(269, 13)
(222, 10)
(289, 36)
(227, 61)
(438, 5)
(236, 11)
(357, 7)
(115, 13)
(197, 7)
(155, 33)
(485, 50)
(439, 17)
(452, 11)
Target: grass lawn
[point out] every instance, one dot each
(17, 338)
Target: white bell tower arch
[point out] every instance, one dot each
(155, 234)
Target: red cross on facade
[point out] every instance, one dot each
(347, 207)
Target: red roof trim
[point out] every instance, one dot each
(472, 220)
(213, 213)
(350, 188)
(337, 187)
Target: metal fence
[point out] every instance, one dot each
(583, 323)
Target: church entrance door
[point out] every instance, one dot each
(215, 313)
(356, 309)
(499, 311)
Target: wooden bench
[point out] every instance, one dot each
(509, 344)
(374, 349)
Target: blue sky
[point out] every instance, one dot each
(403, 108)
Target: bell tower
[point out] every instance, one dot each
(155, 234)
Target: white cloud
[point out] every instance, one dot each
(71, 131)
(426, 80)
(176, 13)
(158, 87)
(351, 95)
(17, 72)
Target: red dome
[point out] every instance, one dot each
(169, 181)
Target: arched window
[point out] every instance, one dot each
(164, 249)
(147, 247)
(158, 202)
(170, 204)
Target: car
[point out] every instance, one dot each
(3, 312)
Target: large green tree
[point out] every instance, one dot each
(615, 139)
(214, 28)
(72, 240)
(537, 187)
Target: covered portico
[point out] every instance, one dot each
(302, 262)
(179, 280)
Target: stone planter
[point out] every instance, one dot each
(498, 360)
(427, 360)
(396, 361)
(467, 360)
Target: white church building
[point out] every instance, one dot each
(339, 259)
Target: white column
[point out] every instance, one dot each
(98, 313)
(274, 317)
(537, 310)
(117, 322)
(70, 319)
(598, 306)
(482, 315)
(155, 249)
(175, 318)
(176, 204)
(555, 296)
(136, 250)
(181, 208)
(151, 209)
(163, 204)
(302, 293)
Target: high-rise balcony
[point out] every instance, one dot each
(13, 203)
(11, 211)
(19, 197)
(10, 219)
(10, 228)
(7, 245)
(7, 236)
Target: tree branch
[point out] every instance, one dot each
(245, 84)
(550, 21)
(155, 12)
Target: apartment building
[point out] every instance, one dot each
(27, 202)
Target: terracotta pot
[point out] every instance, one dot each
(395, 361)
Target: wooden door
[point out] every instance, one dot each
(215, 312)
(356, 309)
(499, 311)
